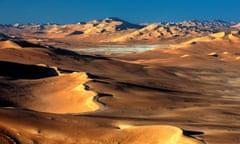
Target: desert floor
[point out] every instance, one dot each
(187, 93)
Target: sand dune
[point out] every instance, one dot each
(218, 35)
(68, 98)
(234, 36)
(221, 36)
(237, 26)
(8, 44)
(54, 129)
(55, 94)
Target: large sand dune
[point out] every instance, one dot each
(60, 94)
(68, 129)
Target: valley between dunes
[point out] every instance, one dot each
(187, 93)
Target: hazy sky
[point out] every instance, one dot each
(136, 11)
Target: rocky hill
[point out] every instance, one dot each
(236, 26)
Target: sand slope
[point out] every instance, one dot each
(8, 44)
(56, 129)
(57, 94)
(63, 94)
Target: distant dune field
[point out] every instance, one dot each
(186, 93)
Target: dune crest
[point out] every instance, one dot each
(171, 134)
(155, 134)
(9, 44)
(63, 94)
(53, 129)
(234, 36)
(220, 36)
(56, 93)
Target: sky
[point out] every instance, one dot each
(135, 11)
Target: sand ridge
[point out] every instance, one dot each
(58, 130)
(47, 96)
(9, 44)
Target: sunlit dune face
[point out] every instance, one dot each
(61, 94)
(8, 44)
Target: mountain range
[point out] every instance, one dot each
(114, 31)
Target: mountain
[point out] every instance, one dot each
(114, 30)
(3, 36)
(185, 29)
(236, 26)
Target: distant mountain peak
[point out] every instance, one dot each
(237, 26)
(123, 25)
(3, 37)
(113, 19)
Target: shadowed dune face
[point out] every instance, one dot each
(17, 43)
(77, 33)
(22, 71)
(3, 37)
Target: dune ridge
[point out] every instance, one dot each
(220, 36)
(41, 82)
(53, 129)
(9, 44)
(65, 93)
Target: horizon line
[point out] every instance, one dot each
(140, 23)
